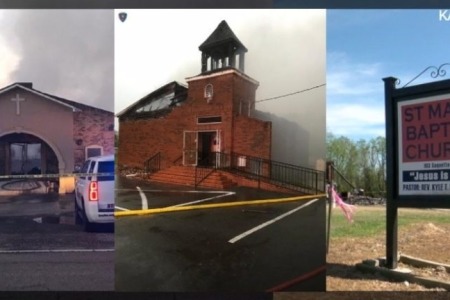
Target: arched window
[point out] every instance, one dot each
(209, 92)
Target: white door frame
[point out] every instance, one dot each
(185, 132)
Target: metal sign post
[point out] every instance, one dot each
(329, 179)
(417, 152)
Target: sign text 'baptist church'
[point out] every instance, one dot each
(424, 146)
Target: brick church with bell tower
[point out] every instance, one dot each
(204, 123)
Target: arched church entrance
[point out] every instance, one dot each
(26, 154)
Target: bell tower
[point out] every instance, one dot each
(222, 49)
(222, 82)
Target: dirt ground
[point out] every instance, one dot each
(422, 240)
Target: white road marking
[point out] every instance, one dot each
(254, 229)
(204, 200)
(55, 251)
(121, 208)
(145, 201)
(144, 198)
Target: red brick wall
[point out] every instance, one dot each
(92, 127)
(141, 139)
(244, 95)
(252, 137)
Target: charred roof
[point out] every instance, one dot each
(156, 104)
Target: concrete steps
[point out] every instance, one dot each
(182, 175)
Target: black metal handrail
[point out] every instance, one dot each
(277, 173)
(177, 161)
(201, 173)
(153, 164)
(206, 165)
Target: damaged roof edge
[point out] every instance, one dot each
(171, 85)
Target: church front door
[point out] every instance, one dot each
(25, 158)
(22, 154)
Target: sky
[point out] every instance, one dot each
(364, 46)
(152, 49)
(67, 53)
(286, 54)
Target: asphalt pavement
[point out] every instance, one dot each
(41, 248)
(57, 271)
(251, 248)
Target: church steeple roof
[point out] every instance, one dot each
(222, 49)
(222, 35)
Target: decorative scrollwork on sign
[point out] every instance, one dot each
(435, 72)
(440, 72)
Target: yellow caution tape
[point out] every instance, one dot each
(215, 205)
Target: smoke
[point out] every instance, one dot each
(286, 54)
(292, 60)
(68, 53)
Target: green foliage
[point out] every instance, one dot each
(369, 221)
(362, 163)
(365, 223)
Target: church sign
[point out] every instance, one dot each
(418, 144)
(424, 146)
(417, 152)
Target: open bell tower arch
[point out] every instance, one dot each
(222, 49)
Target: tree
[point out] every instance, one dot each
(362, 163)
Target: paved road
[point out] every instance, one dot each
(159, 195)
(30, 205)
(42, 249)
(72, 271)
(191, 250)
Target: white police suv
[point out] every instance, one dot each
(94, 194)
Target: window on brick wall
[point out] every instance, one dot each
(93, 150)
(245, 108)
(209, 120)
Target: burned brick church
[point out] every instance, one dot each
(210, 122)
(46, 134)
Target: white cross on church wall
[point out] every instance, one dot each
(17, 100)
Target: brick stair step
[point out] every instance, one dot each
(185, 176)
(175, 175)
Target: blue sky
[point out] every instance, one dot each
(364, 46)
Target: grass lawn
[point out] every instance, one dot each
(371, 220)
